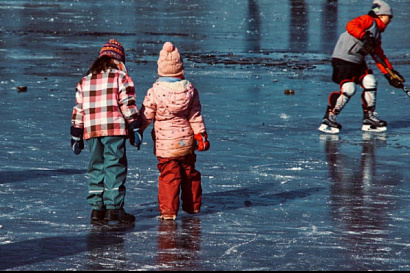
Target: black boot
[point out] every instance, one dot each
(119, 215)
(97, 216)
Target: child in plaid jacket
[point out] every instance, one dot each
(104, 114)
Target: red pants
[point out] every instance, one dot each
(178, 175)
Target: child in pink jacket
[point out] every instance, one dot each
(179, 129)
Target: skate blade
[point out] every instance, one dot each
(328, 130)
(368, 128)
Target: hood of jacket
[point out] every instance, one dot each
(173, 97)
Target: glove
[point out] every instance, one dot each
(396, 80)
(369, 43)
(77, 142)
(202, 142)
(136, 134)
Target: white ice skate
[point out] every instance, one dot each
(371, 123)
(329, 125)
(370, 128)
(328, 129)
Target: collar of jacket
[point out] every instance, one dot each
(169, 79)
(380, 24)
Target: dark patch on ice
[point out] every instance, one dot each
(64, 33)
(296, 194)
(42, 249)
(399, 124)
(260, 59)
(214, 202)
(220, 201)
(22, 175)
(168, 34)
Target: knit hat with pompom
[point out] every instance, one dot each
(170, 63)
(114, 49)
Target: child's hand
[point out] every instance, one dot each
(138, 137)
(136, 134)
(369, 43)
(77, 145)
(77, 142)
(202, 142)
(395, 79)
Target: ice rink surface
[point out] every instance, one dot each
(278, 195)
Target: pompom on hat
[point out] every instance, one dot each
(380, 7)
(114, 49)
(170, 63)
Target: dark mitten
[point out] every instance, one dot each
(395, 79)
(369, 43)
(77, 142)
(202, 142)
(397, 75)
(136, 134)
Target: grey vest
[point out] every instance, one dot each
(348, 47)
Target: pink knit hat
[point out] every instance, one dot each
(170, 63)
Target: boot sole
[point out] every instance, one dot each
(98, 222)
(171, 217)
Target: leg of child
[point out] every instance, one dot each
(191, 189)
(96, 174)
(115, 165)
(169, 187)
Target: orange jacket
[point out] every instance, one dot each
(349, 45)
(358, 27)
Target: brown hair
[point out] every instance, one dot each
(102, 64)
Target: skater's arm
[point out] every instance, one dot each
(380, 53)
(358, 26)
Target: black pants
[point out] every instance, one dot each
(343, 70)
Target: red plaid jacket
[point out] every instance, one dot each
(105, 104)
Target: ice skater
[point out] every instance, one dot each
(363, 37)
(179, 129)
(104, 114)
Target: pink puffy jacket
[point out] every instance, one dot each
(176, 109)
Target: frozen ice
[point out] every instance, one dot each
(278, 194)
